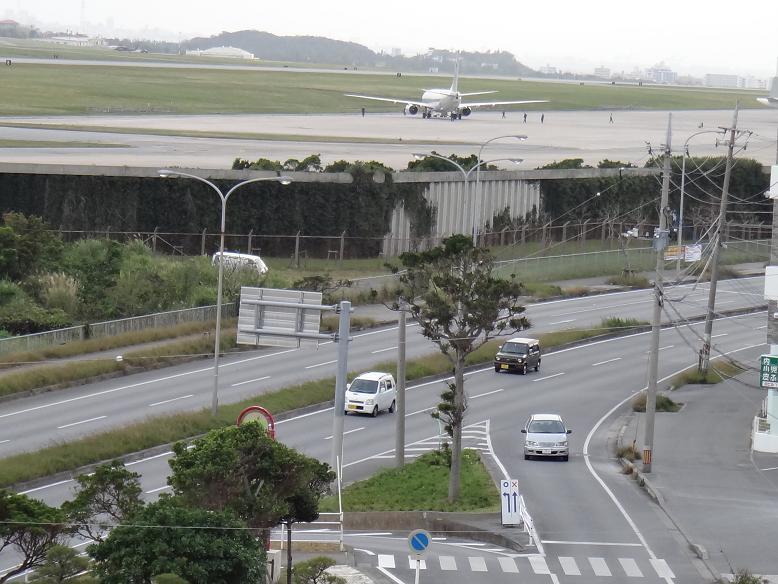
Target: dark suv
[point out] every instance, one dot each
(518, 354)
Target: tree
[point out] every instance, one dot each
(61, 565)
(314, 571)
(243, 470)
(165, 537)
(38, 248)
(30, 528)
(460, 305)
(111, 492)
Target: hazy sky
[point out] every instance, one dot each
(689, 36)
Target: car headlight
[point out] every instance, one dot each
(369, 402)
(563, 443)
(531, 443)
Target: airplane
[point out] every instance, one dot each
(772, 97)
(445, 102)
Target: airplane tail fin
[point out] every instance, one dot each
(455, 82)
(773, 88)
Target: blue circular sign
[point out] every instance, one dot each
(419, 540)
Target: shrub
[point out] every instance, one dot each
(630, 280)
(314, 571)
(629, 452)
(19, 315)
(58, 290)
(663, 403)
(746, 577)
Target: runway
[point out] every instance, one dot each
(391, 138)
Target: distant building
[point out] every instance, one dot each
(75, 41)
(721, 80)
(602, 72)
(549, 70)
(752, 83)
(396, 52)
(231, 52)
(662, 74)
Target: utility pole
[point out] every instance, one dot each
(704, 361)
(660, 242)
(341, 377)
(399, 438)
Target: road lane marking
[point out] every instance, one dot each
(770, 468)
(719, 335)
(561, 322)
(383, 350)
(477, 564)
(764, 326)
(321, 364)
(58, 483)
(603, 543)
(250, 381)
(630, 567)
(548, 377)
(4, 441)
(447, 562)
(600, 567)
(569, 567)
(608, 361)
(539, 565)
(508, 565)
(487, 393)
(347, 432)
(152, 491)
(412, 563)
(233, 363)
(595, 308)
(386, 561)
(364, 551)
(661, 568)
(167, 401)
(389, 575)
(666, 347)
(81, 422)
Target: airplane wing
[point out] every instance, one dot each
(389, 99)
(476, 93)
(494, 103)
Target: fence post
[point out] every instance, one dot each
(108, 232)
(202, 243)
(154, 240)
(342, 246)
(603, 227)
(250, 237)
(564, 230)
(297, 250)
(583, 230)
(502, 236)
(524, 234)
(727, 225)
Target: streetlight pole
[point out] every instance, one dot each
(284, 180)
(478, 198)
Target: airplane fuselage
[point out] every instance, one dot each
(442, 101)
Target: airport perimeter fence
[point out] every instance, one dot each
(298, 248)
(111, 328)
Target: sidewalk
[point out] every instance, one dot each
(722, 497)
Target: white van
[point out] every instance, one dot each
(371, 393)
(237, 260)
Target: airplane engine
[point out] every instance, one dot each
(465, 111)
(412, 109)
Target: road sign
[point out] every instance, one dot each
(282, 318)
(419, 540)
(768, 371)
(259, 415)
(510, 502)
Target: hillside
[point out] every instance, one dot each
(310, 49)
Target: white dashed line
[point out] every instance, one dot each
(81, 422)
(4, 441)
(152, 491)
(250, 381)
(487, 393)
(548, 377)
(604, 362)
(321, 364)
(383, 350)
(347, 432)
(167, 401)
(562, 321)
(719, 335)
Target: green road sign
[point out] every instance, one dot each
(768, 371)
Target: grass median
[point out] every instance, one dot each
(421, 484)
(162, 430)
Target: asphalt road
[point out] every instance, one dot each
(36, 421)
(391, 137)
(584, 509)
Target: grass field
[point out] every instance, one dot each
(77, 89)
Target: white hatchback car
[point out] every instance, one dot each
(546, 436)
(371, 393)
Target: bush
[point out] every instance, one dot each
(629, 452)
(58, 290)
(19, 315)
(313, 571)
(663, 403)
(630, 280)
(746, 577)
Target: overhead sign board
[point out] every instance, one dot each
(687, 253)
(768, 371)
(281, 318)
(510, 502)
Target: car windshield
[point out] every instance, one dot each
(514, 348)
(546, 427)
(363, 386)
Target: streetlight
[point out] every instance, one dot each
(684, 154)
(477, 199)
(466, 176)
(284, 180)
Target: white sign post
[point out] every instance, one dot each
(510, 501)
(419, 541)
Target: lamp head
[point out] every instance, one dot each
(516, 160)
(285, 180)
(419, 156)
(520, 137)
(164, 173)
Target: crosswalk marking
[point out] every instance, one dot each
(385, 561)
(630, 567)
(662, 569)
(569, 567)
(477, 564)
(600, 567)
(412, 563)
(539, 565)
(508, 565)
(447, 563)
